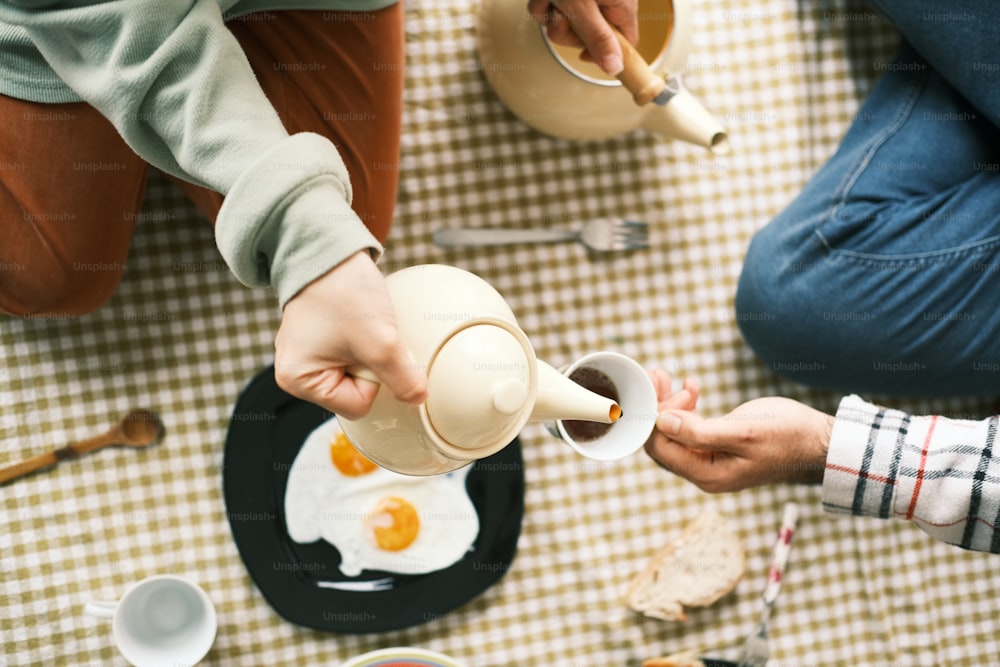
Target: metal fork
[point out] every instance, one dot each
(383, 584)
(601, 234)
(756, 650)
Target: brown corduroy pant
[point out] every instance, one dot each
(65, 228)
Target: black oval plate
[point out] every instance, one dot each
(300, 581)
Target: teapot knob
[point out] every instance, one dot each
(509, 396)
(481, 385)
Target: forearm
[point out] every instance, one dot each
(168, 75)
(941, 474)
(176, 85)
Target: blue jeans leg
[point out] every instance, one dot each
(960, 40)
(884, 274)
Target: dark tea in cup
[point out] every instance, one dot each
(600, 383)
(632, 418)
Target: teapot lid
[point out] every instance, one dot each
(481, 386)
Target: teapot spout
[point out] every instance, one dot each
(559, 398)
(686, 119)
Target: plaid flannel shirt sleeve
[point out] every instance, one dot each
(942, 474)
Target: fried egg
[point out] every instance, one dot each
(377, 519)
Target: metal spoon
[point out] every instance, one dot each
(138, 428)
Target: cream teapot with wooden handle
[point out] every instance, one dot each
(548, 87)
(484, 381)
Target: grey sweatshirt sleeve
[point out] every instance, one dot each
(177, 87)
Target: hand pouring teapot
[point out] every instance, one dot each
(548, 87)
(484, 382)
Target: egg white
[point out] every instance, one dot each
(323, 503)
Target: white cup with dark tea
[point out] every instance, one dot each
(622, 379)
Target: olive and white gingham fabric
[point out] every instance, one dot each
(183, 337)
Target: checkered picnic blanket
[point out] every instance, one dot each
(183, 337)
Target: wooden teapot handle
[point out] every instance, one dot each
(637, 76)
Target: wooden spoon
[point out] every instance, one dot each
(138, 428)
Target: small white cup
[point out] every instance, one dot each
(161, 621)
(636, 397)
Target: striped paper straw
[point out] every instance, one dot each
(782, 547)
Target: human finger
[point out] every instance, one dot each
(332, 389)
(622, 14)
(690, 428)
(686, 399)
(589, 24)
(390, 361)
(539, 10)
(661, 383)
(710, 471)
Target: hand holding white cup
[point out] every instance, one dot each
(161, 621)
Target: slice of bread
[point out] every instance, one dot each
(703, 564)
(681, 659)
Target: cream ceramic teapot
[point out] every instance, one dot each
(548, 87)
(484, 381)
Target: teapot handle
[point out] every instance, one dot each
(637, 76)
(362, 372)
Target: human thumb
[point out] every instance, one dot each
(669, 422)
(691, 429)
(402, 376)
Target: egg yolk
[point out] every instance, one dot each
(347, 459)
(393, 524)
